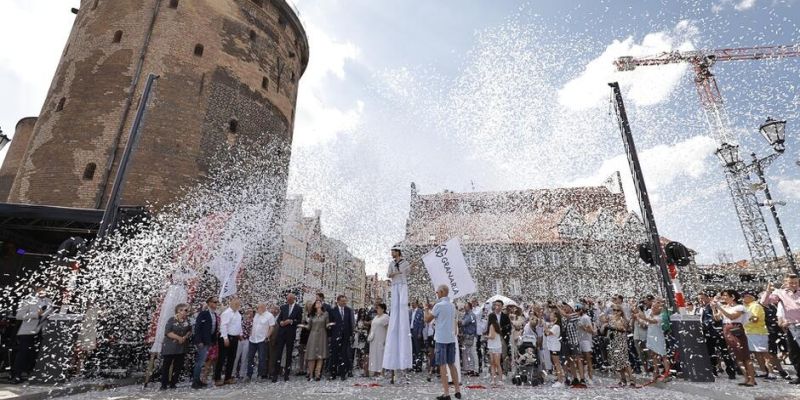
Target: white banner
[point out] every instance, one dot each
(446, 266)
(226, 265)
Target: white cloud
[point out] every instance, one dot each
(790, 188)
(644, 86)
(317, 119)
(661, 165)
(738, 5)
(745, 5)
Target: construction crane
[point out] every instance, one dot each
(745, 201)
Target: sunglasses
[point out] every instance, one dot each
(183, 310)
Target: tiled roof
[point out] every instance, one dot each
(530, 216)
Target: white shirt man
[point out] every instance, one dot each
(230, 323)
(262, 322)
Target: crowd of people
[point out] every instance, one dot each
(558, 343)
(747, 334)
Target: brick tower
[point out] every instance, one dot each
(228, 69)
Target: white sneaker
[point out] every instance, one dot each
(558, 384)
(589, 381)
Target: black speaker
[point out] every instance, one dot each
(677, 254)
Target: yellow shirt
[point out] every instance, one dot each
(760, 326)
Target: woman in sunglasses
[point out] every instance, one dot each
(173, 351)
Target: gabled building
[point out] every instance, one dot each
(560, 244)
(313, 262)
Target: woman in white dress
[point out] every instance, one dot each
(656, 342)
(397, 355)
(377, 340)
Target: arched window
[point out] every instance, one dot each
(265, 83)
(173, 3)
(88, 172)
(117, 37)
(233, 125)
(252, 34)
(60, 105)
(198, 50)
(94, 5)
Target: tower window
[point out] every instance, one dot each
(173, 3)
(94, 5)
(88, 172)
(233, 125)
(198, 50)
(292, 76)
(252, 34)
(265, 83)
(117, 37)
(60, 105)
(258, 2)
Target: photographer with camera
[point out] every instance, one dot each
(33, 312)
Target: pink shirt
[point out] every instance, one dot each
(791, 303)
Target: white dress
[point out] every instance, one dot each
(655, 336)
(378, 343)
(398, 340)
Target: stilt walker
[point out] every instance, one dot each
(398, 352)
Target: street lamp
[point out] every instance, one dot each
(775, 133)
(3, 139)
(729, 154)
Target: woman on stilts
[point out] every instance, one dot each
(398, 352)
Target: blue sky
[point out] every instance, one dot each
(495, 96)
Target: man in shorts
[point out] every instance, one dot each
(571, 347)
(445, 336)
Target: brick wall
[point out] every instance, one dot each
(253, 55)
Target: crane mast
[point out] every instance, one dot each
(745, 202)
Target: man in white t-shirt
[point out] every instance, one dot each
(263, 323)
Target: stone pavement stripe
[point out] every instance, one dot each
(18, 392)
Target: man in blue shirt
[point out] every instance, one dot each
(445, 336)
(469, 328)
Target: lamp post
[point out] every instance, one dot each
(4, 140)
(774, 132)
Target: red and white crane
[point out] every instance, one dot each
(744, 199)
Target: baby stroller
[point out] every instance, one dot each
(528, 366)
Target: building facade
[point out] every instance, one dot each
(315, 263)
(561, 244)
(228, 73)
(376, 288)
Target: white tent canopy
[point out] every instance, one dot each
(506, 301)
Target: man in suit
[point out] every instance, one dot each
(505, 329)
(206, 333)
(341, 336)
(290, 316)
(417, 323)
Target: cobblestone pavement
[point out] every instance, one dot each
(478, 388)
